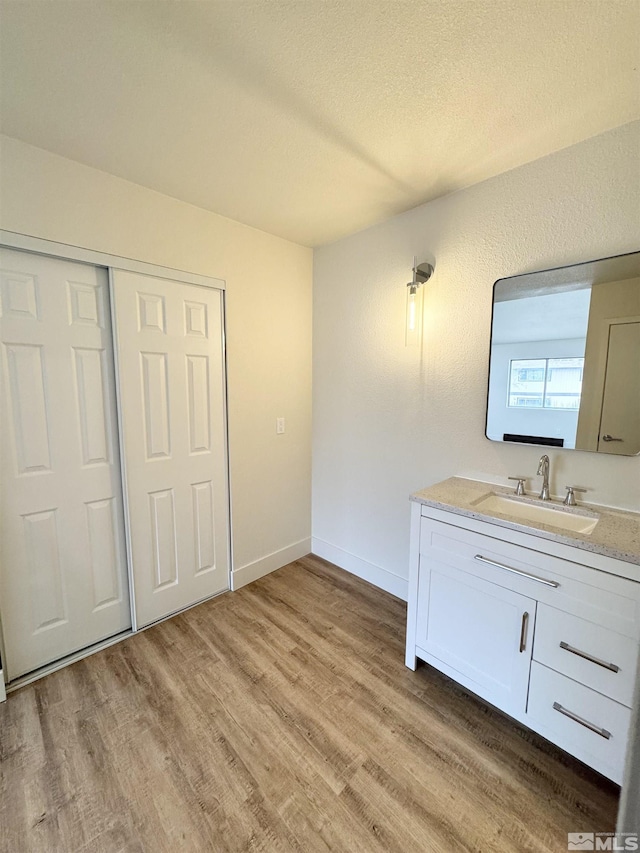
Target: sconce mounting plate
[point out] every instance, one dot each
(423, 272)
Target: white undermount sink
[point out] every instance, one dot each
(575, 520)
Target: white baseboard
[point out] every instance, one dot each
(252, 571)
(376, 575)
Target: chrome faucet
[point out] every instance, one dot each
(543, 468)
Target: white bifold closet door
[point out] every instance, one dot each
(63, 575)
(171, 381)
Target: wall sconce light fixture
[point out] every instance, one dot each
(421, 274)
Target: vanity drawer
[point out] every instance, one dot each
(588, 653)
(597, 596)
(599, 734)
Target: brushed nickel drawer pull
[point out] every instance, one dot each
(612, 666)
(602, 732)
(516, 571)
(523, 631)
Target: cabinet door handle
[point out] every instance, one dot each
(612, 666)
(516, 571)
(608, 437)
(602, 732)
(523, 631)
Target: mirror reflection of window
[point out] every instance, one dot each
(526, 382)
(564, 383)
(537, 353)
(546, 383)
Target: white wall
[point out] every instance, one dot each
(389, 420)
(268, 324)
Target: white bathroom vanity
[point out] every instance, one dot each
(512, 601)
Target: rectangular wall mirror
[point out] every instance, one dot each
(564, 367)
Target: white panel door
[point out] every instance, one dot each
(620, 420)
(171, 377)
(63, 574)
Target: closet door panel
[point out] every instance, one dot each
(171, 377)
(63, 576)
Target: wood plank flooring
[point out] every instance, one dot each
(279, 718)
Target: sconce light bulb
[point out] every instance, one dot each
(414, 314)
(412, 309)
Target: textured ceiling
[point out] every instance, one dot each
(312, 119)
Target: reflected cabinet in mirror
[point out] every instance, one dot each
(565, 357)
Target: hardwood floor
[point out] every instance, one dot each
(279, 718)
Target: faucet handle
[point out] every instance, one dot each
(520, 486)
(570, 499)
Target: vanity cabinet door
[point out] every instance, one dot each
(479, 633)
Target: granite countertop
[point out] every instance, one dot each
(617, 533)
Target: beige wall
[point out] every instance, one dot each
(268, 323)
(388, 420)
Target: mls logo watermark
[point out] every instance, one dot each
(602, 841)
